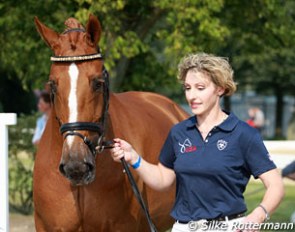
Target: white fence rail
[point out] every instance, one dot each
(5, 120)
(280, 145)
(281, 151)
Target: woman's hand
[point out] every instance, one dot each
(253, 220)
(122, 149)
(156, 176)
(273, 183)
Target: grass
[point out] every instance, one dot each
(253, 197)
(254, 194)
(20, 183)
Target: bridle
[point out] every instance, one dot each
(73, 128)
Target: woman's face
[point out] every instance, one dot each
(201, 93)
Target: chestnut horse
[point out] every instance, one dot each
(76, 189)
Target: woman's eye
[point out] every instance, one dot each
(186, 88)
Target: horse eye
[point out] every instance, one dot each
(53, 89)
(97, 84)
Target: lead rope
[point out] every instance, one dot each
(138, 195)
(109, 144)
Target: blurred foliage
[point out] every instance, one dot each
(254, 194)
(143, 41)
(21, 46)
(21, 161)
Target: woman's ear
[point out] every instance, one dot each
(220, 91)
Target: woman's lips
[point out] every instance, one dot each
(195, 105)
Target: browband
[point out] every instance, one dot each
(75, 58)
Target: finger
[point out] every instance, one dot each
(118, 143)
(115, 149)
(117, 140)
(119, 157)
(118, 152)
(125, 145)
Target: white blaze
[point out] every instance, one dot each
(73, 101)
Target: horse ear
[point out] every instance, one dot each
(47, 34)
(93, 29)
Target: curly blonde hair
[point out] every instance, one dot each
(218, 69)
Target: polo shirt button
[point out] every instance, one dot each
(209, 134)
(206, 141)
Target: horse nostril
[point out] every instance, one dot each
(89, 167)
(62, 169)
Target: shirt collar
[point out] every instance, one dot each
(228, 125)
(191, 122)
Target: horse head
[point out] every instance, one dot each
(79, 91)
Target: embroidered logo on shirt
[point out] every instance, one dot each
(221, 144)
(187, 146)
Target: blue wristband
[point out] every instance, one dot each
(137, 164)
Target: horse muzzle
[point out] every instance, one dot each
(77, 163)
(77, 172)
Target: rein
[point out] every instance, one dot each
(70, 129)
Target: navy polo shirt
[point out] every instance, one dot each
(212, 174)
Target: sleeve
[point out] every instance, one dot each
(167, 155)
(38, 131)
(289, 169)
(257, 157)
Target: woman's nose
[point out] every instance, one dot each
(191, 95)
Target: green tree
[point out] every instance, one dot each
(261, 46)
(24, 57)
(142, 41)
(21, 162)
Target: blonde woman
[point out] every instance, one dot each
(211, 156)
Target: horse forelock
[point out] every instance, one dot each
(73, 23)
(74, 44)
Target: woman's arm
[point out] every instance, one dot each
(157, 177)
(273, 195)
